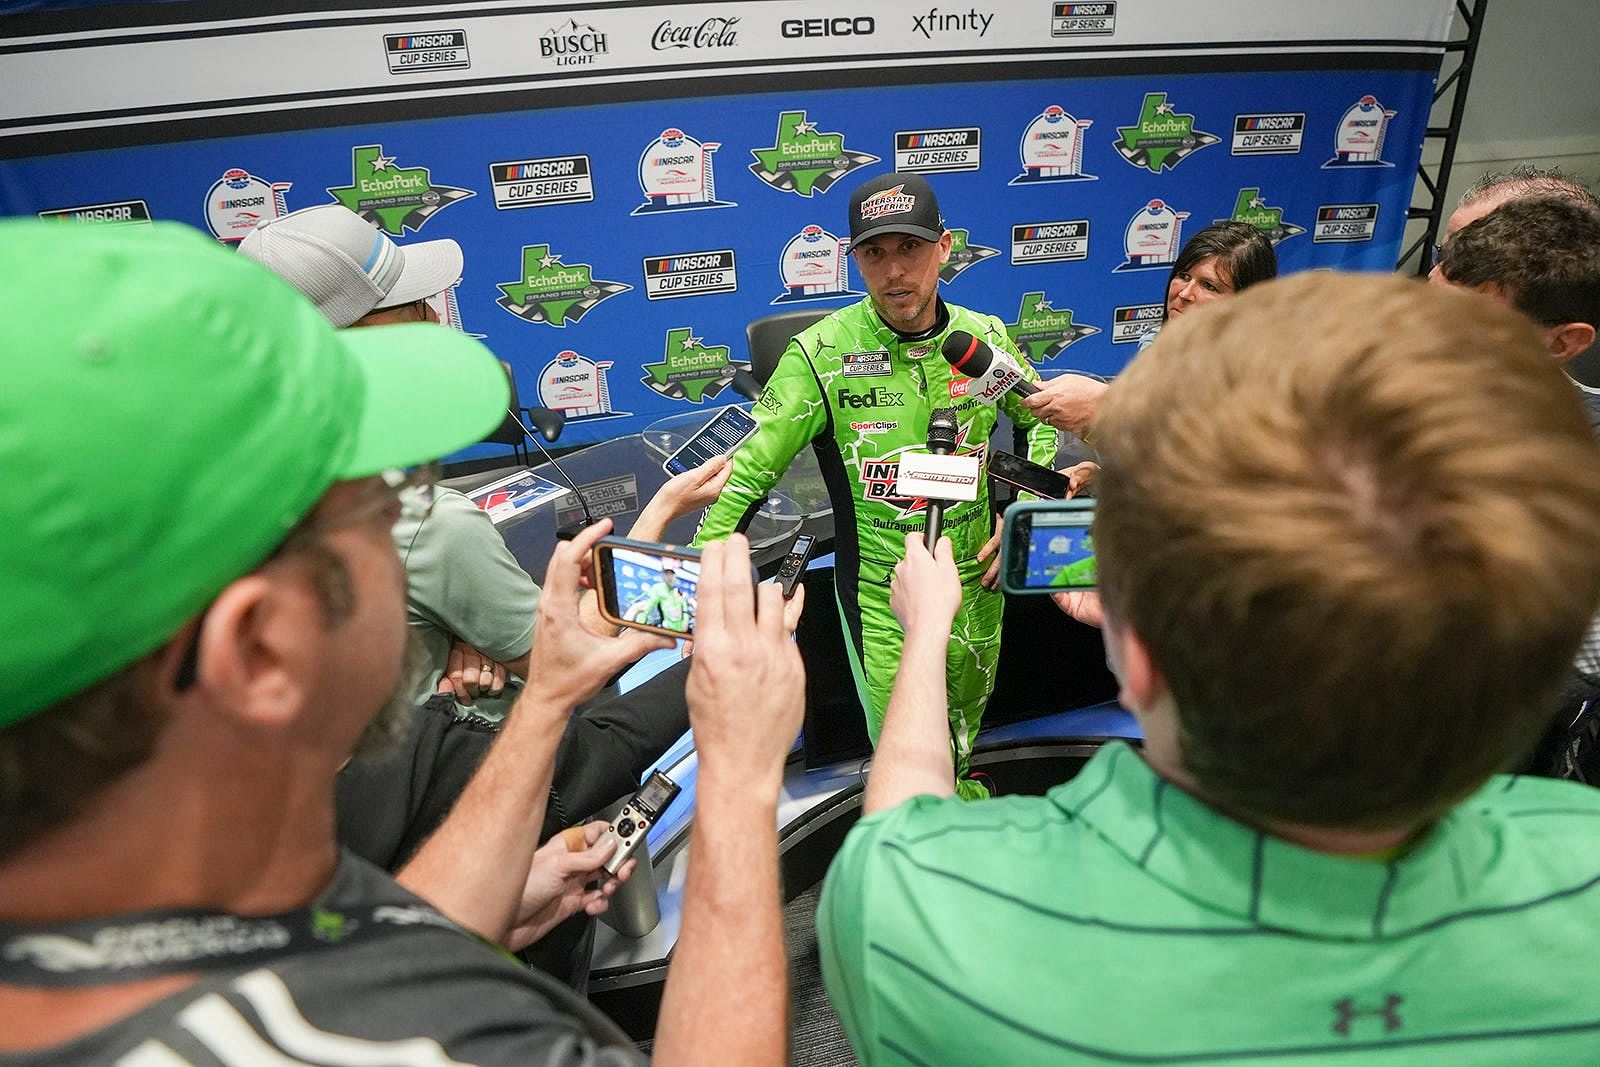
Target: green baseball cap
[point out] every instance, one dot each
(169, 411)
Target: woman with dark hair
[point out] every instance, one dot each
(1220, 260)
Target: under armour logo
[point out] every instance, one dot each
(1347, 1012)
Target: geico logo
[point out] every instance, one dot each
(859, 26)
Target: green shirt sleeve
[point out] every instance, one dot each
(791, 411)
(842, 934)
(462, 579)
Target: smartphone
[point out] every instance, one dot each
(731, 428)
(1047, 546)
(1029, 476)
(646, 585)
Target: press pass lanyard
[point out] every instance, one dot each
(129, 948)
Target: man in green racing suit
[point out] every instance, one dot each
(665, 601)
(859, 387)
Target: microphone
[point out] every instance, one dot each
(993, 373)
(569, 531)
(941, 442)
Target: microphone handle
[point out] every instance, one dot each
(935, 522)
(1025, 388)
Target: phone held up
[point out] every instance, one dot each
(1028, 476)
(648, 586)
(1047, 546)
(731, 427)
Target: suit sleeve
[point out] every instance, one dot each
(791, 411)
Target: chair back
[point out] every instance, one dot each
(768, 337)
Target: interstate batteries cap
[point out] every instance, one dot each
(170, 412)
(895, 203)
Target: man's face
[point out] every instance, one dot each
(902, 276)
(671, 578)
(358, 656)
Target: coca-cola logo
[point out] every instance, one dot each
(717, 32)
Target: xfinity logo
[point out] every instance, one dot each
(859, 26)
(945, 23)
(876, 397)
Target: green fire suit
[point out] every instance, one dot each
(860, 394)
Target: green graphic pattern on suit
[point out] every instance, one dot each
(860, 394)
(669, 601)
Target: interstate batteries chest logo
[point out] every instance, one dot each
(577, 387)
(814, 266)
(553, 292)
(676, 174)
(1041, 332)
(935, 151)
(522, 183)
(1153, 237)
(439, 50)
(239, 201)
(1252, 207)
(803, 161)
(963, 254)
(690, 369)
(1358, 140)
(880, 475)
(391, 197)
(1162, 138)
(1052, 148)
(690, 274)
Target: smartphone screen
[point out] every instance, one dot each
(1051, 551)
(731, 428)
(1029, 476)
(647, 589)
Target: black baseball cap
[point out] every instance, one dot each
(895, 203)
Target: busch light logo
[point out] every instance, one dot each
(1153, 237)
(576, 386)
(239, 201)
(814, 267)
(676, 174)
(1358, 141)
(1052, 148)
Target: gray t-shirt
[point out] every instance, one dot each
(414, 992)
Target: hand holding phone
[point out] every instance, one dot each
(730, 428)
(1029, 476)
(1048, 547)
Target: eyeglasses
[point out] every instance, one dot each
(414, 489)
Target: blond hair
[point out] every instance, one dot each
(1356, 521)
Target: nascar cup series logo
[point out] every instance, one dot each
(576, 386)
(675, 172)
(1252, 207)
(1162, 138)
(690, 369)
(1153, 237)
(391, 197)
(1052, 148)
(1042, 332)
(239, 200)
(1358, 141)
(519, 183)
(964, 252)
(802, 160)
(814, 267)
(932, 151)
(552, 292)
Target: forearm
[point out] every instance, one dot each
(731, 938)
(474, 866)
(913, 756)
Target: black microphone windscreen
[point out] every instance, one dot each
(966, 353)
(942, 430)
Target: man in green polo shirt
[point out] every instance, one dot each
(1337, 611)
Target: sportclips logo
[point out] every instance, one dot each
(858, 26)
